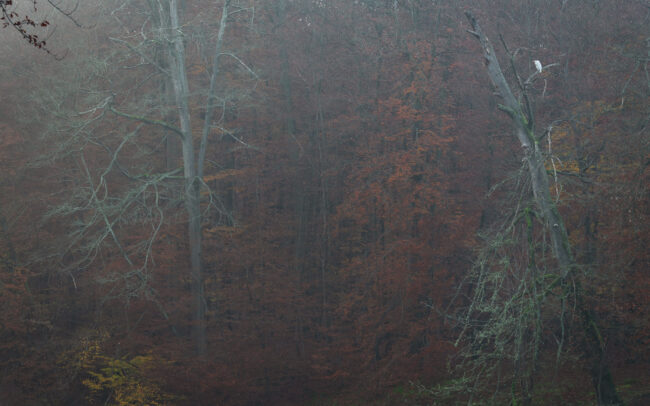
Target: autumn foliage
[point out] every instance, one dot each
(359, 162)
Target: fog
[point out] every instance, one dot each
(324, 202)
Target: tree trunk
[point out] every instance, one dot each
(192, 206)
(176, 53)
(524, 130)
(166, 17)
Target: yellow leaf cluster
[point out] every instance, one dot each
(117, 381)
(123, 381)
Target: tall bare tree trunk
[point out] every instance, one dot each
(193, 164)
(524, 130)
(176, 54)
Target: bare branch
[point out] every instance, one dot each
(161, 123)
(142, 55)
(67, 13)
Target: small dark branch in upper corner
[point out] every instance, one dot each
(11, 18)
(14, 20)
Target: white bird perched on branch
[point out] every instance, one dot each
(538, 65)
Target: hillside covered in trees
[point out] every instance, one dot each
(325, 202)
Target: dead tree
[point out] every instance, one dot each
(522, 118)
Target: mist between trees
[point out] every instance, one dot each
(316, 202)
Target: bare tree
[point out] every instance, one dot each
(515, 290)
(150, 46)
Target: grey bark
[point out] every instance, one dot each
(178, 77)
(166, 16)
(524, 130)
(193, 165)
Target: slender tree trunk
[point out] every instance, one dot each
(180, 84)
(523, 123)
(196, 265)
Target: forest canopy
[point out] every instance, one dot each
(308, 202)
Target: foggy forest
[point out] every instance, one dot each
(325, 202)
